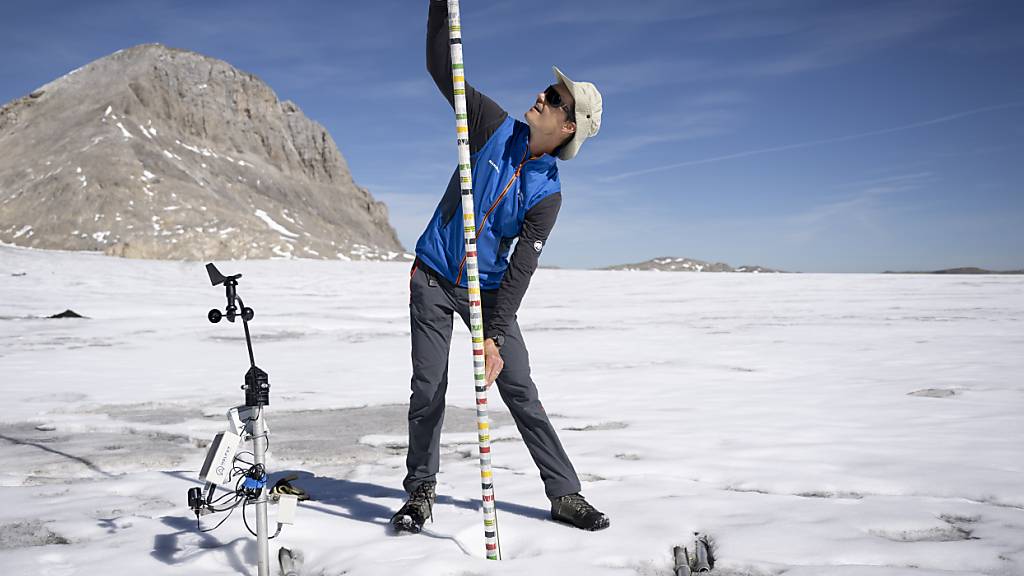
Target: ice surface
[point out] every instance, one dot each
(814, 424)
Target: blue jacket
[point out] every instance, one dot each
(506, 184)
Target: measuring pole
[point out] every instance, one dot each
(476, 320)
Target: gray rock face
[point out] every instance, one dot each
(153, 152)
(677, 264)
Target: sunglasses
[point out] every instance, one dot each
(552, 97)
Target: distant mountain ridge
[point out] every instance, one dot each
(964, 270)
(679, 264)
(155, 152)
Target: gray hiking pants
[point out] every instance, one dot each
(432, 302)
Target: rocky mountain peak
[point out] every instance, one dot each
(157, 152)
(681, 264)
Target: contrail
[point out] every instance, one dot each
(746, 153)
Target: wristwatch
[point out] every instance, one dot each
(499, 340)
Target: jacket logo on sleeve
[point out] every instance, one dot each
(538, 246)
(495, 166)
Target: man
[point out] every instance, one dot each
(517, 195)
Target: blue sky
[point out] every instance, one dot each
(803, 135)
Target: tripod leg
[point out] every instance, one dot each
(259, 449)
(681, 561)
(291, 561)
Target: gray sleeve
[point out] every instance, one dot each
(534, 235)
(483, 114)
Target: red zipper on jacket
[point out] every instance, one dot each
(491, 209)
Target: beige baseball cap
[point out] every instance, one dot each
(588, 113)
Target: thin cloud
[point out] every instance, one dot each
(912, 177)
(831, 40)
(618, 148)
(650, 11)
(813, 143)
(864, 207)
(630, 77)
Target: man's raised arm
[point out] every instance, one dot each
(484, 115)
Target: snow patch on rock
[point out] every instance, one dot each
(262, 215)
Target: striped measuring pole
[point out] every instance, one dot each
(476, 319)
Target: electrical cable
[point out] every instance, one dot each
(221, 522)
(246, 522)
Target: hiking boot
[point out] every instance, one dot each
(411, 516)
(574, 509)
